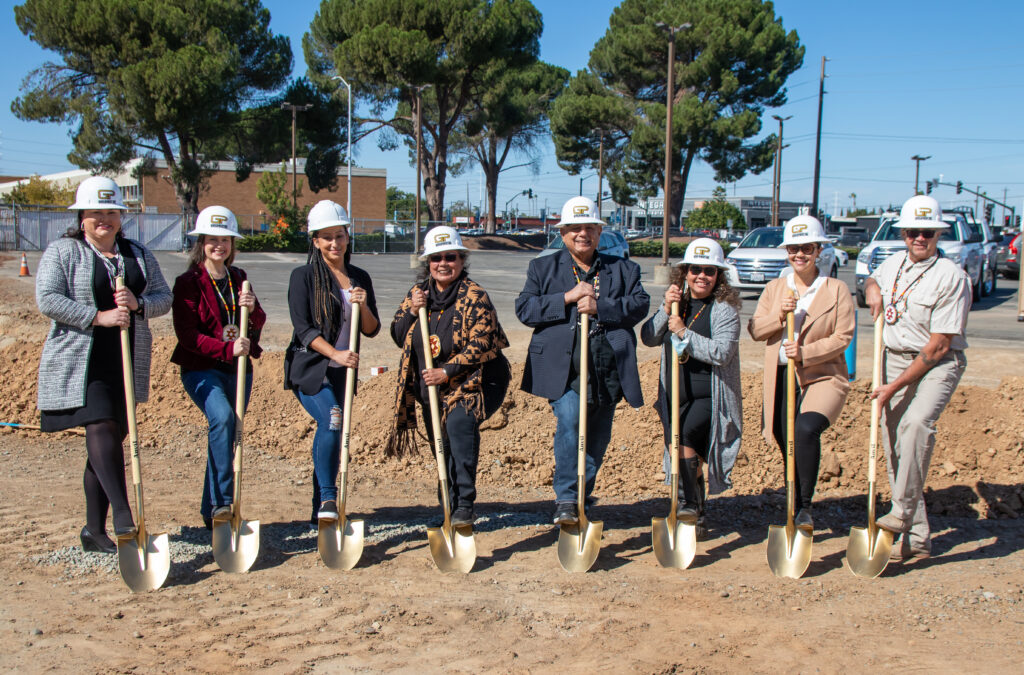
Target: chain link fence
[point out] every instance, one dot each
(33, 228)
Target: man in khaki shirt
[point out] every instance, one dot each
(925, 300)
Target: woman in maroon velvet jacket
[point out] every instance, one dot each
(207, 306)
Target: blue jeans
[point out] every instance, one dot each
(326, 440)
(599, 433)
(213, 391)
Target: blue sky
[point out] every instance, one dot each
(933, 78)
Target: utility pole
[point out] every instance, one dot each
(817, 142)
(348, 145)
(600, 173)
(295, 109)
(661, 273)
(917, 170)
(778, 172)
(414, 259)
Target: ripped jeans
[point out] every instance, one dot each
(325, 409)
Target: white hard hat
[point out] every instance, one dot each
(440, 239)
(327, 214)
(97, 192)
(578, 211)
(704, 251)
(216, 221)
(922, 211)
(803, 230)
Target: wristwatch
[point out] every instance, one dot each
(140, 310)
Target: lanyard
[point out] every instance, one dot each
(230, 311)
(895, 284)
(114, 267)
(597, 279)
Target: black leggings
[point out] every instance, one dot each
(695, 426)
(104, 480)
(808, 429)
(461, 449)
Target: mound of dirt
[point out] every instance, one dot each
(979, 437)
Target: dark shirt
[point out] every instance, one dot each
(695, 375)
(605, 387)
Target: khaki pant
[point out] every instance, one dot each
(908, 435)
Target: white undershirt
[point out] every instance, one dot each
(341, 343)
(800, 313)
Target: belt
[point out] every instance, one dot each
(901, 352)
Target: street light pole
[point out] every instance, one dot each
(600, 173)
(917, 170)
(817, 142)
(778, 172)
(670, 90)
(295, 109)
(348, 145)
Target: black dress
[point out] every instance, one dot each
(104, 389)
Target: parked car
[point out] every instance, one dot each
(1008, 256)
(842, 257)
(989, 248)
(757, 260)
(957, 242)
(611, 243)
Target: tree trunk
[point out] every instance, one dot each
(434, 173)
(679, 181)
(490, 168)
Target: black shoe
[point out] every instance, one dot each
(565, 514)
(686, 512)
(221, 514)
(96, 544)
(463, 516)
(803, 520)
(208, 523)
(328, 510)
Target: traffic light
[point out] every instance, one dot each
(1017, 222)
(928, 187)
(959, 186)
(988, 212)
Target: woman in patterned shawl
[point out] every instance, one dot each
(470, 372)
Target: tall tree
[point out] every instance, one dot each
(730, 65)
(716, 214)
(509, 116)
(168, 76)
(388, 50)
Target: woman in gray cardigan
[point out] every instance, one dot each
(706, 337)
(80, 375)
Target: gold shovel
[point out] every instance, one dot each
(236, 542)
(869, 547)
(340, 541)
(789, 548)
(674, 542)
(452, 548)
(144, 559)
(578, 545)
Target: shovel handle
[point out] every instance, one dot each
(581, 450)
(674, 447)
(435, 408)
(876, 408)
(243, 331)
(129, 395)
(350, 391)
(790, 426)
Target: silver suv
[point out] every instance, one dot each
(757, 260)
(958, 243)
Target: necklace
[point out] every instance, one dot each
(114, 267)
(686, 357)
(230, 332)
(898, 305)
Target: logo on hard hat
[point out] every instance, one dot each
(923, 212)
(702, 250)
(799, 228)
(581, 210)
(105, 195)
(441, 238)
(218, 219)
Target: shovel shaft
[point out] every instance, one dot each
(876, 381)
(133, 428)
(581, 450)
(243, 331)
(435, 417)
(790, 428)
(350, 390)
(674, 413)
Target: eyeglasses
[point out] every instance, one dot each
(697, 270)
(914, 234)
(806, 249)
(447, 257)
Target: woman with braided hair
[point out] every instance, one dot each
(320, 298)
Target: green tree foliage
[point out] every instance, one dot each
(716, 214)
(509, 115)
(287, 227)
(401, 205)
(730, 66)
(169, 76)
(39, 192)
(387, 49)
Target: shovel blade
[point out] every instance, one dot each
(340, 549)
(235, 550)
(453, 549)
(673, 547)
(868, 558)
(788, 555)
(578, 546)
(144, 567)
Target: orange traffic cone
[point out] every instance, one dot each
(24, 266)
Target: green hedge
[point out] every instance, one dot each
(269, 241)
(651, 248)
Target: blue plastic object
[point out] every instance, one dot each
(851, 351)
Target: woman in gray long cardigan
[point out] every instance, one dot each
(80, 376)
(706, 337)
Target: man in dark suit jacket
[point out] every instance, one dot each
(558, 289)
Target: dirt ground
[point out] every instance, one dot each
(517, 611)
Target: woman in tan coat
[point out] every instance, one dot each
(823, 317)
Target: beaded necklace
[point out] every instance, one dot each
(893, 312)
(230, 332)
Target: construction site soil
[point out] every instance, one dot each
(518, 612)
